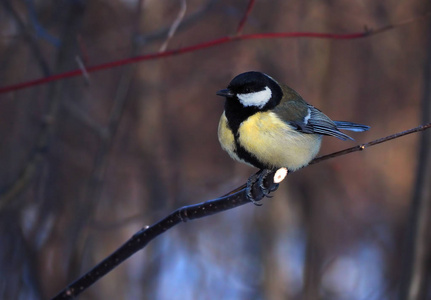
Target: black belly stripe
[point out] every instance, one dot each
(247, 156)
(236, 114)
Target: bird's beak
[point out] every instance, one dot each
(225, 93)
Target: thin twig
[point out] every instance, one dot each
(190, 20)
(354, 149)
(187, 213)
(29, 38)
(83, 50)
(81, 66)
(175, 25)
(245, 17)
(369, 144)
(54, 99)
(204, 45)
(93, 189)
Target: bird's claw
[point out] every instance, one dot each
(262, 177)
(259, 178)
(250, 182)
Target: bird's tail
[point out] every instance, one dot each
(351, 126)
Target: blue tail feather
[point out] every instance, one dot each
(351, 126)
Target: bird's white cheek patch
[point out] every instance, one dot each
(258, 99)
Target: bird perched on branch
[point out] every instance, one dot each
(268, 125)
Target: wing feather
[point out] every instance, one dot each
(308, 119)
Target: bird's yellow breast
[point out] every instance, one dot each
(227, 140)
(277, 144)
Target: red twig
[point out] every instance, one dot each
(205, 45)
(245, 17)
(183, 50)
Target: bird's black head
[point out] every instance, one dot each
(254, 90)
(247, 94)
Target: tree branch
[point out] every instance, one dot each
(245, 17)
(33, 45)
(355, 149)
(175, 25)
(209, 44)
(187, 213)
(369, 144)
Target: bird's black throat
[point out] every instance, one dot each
(236, 113)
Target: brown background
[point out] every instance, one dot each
(85, 163)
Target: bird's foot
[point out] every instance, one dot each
(259, 177)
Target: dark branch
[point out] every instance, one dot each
(187, 213)
(140, 239)
(369, 144)
(355, 148)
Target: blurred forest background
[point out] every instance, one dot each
(85, 162)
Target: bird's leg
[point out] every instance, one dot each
(259, 177)
(262, 177)
(250, 182)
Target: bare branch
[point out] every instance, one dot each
(33, 45)
(356, 148)
(233, 199)
(369, 144)
(245, 17)
(204, 45)
(175, 25)
(92, 192)
(54, 99)
(81, 66)
(186, 22)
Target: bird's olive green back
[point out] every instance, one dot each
(292, 107)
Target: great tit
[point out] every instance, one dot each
(268, 125)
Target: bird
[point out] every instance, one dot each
(268, 125)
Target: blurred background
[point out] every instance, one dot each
(87, 161)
